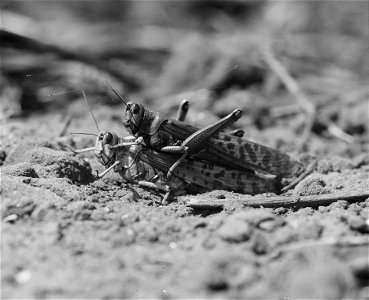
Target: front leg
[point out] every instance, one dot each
(134, 142)
(108, 169)
(164, 188)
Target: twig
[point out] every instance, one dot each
(285, 111)
(346, 241)
(330, 241)
(293, 87)
(278, 201)
(334, 130)
(13, 40)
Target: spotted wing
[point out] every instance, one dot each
(237, 153)
(247, 154)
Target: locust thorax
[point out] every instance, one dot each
(103, 153)
(131, 166)
(133, 116)
(127, 154)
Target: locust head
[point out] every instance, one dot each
(137, 119)
(133, 117)
(103, 152)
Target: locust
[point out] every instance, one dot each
(136, 162)
(209, 143)
(151, 166)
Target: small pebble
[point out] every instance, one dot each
(234, 230)
(23, 276)
(11, 218)
(173, 245)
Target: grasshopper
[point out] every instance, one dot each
(137, 162)
(123, 153)
(178, 137)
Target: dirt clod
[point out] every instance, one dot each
(234, 230)
(312, 185)
(20, 169)
(54, 163)
(2, 157)
(308, 273)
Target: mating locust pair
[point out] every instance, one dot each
(174, 156)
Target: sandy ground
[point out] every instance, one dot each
(67, 235)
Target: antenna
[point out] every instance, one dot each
(116, 93)
(84, 96)
(83, 133)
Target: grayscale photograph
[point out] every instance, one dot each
(173, 149)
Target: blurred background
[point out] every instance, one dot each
(299, 70)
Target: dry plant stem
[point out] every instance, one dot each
(292, 86)
(330, 241)
(279, 201)
(285, 111)
(346, 241)
(13, 40)
(339, 133)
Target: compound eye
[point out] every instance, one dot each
(108, 138)
(135, 108)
